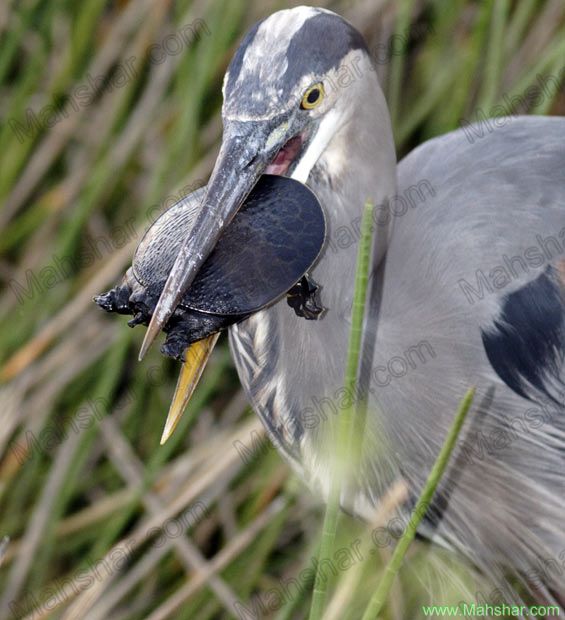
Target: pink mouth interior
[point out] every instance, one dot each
(285, 156)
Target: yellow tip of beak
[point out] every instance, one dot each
(196, 355)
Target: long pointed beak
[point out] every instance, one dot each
(196, 357)
(241, 160)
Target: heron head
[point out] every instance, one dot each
(290, 87)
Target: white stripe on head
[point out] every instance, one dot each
(267, 51)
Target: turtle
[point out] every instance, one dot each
(264, 254)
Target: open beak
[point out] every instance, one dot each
(243, 157)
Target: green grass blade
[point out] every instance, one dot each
(495, 57)
(345, 422)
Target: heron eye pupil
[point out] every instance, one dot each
(313, 95)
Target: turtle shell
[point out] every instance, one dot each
(275, 237)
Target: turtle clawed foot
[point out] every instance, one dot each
(303, 299)
(140, 318)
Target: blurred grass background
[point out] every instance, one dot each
(102, 521)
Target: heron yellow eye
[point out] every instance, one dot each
(312, 97)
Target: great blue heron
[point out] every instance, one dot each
(468, 288)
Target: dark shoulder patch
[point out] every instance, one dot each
(526, 343)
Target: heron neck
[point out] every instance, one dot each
(358, 166)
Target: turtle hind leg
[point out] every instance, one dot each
(176, 343)
(187, 326)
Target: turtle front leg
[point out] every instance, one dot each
(303, 299)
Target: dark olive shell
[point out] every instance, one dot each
(272, 241)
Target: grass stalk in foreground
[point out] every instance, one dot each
(345, 422)
(379, 597)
